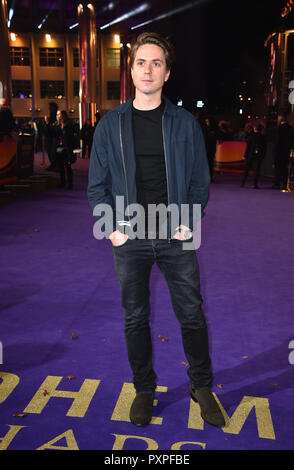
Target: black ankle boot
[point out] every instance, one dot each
(141, 409)
(210, 411)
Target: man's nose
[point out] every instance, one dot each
(147, 68)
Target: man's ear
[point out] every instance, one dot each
(167, 76)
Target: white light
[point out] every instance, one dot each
(141, 8)
(12, 36)
(128, 45)
(10, 15)
(241, 111)
(180, 103)
(43, 21)
(172, 12)
(110, 5)
(116, 39)
(90, 6)
(73, 26)
(200, 104)
(48, 37)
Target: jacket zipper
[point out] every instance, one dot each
(123, 160)
(168, 200)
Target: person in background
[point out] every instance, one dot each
(87, 138)
(224, 132)
(7, 124)
(50, 136)
(285, 142)
(97, 119)
(209, 130)
(63, 132)
(255, 152)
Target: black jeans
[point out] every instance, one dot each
(133, 262)
(252, 162)
(63, 165)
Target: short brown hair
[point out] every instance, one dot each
(153, 38)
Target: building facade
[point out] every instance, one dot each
(46, 68)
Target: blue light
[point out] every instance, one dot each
(10, 15)
(172, 12)
(140, 9)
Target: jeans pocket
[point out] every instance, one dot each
(123, 244)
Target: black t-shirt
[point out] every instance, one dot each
(150, 160)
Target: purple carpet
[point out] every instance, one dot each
(65, 380)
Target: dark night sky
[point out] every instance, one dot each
(219, 46)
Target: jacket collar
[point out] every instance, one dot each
(169, 107)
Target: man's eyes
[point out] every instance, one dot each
(156, 64)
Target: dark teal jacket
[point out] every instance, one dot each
(112, 169)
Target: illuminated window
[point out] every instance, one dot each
(20, 56)
(113, 90)
(52, 89)
(51, 57)
(21, 89)
(113, 57)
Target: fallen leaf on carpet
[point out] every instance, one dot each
(220, 386)
(275, 385)
(70, 377)
(244, 357)
(73, 336)
(45, 393)
(37, 230)
(162, 338)
(184, 363)
(19, 415)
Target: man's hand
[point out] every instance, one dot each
(179, 235)
(117, 238)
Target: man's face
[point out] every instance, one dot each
(149, 71)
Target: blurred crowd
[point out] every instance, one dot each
(256, 138)
(61, 138)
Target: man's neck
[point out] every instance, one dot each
(147, 102)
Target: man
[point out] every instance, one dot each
(210, 138)
(153, 152)
(7, 124)
(87, 138)
(285, 142)
(50, 140)
(255, 153)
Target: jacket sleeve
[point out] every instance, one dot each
(200, 178)
(99, 176)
